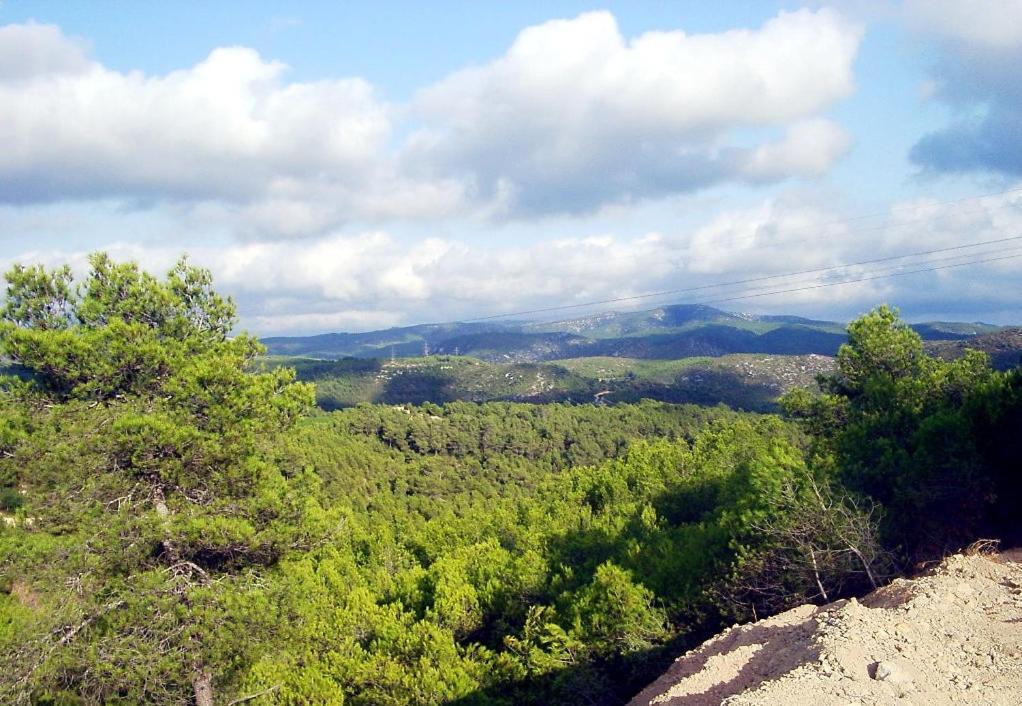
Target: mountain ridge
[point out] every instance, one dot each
(667, 332)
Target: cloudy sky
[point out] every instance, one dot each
(349, 166)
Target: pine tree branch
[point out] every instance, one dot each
(264, 692)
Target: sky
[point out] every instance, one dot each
(353, 166)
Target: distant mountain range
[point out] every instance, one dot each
(664, 333)
(674, 353)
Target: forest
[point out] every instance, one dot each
(181, 525)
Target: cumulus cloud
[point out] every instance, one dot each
(376, 279)
(808, 148)
(768, 238)
(927, 223)
(990, 23)
(226, 128)
(976, 75)
(35, 50)
(775, 238)
(575, 115)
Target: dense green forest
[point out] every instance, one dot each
(180, 526)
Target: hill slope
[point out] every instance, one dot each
(951, 637)
(750, 382)
(667, 332)
(1004, 347)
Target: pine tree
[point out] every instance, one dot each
(137, 441)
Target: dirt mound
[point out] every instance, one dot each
(953, 636)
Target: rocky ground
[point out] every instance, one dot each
(951, 636)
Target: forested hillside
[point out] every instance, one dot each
(1004, 347)
(750, 382)
(181, 527)
(745, 381)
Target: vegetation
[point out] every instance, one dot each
(1004, 347)
(751, 382)
(178, 527)
(147, 516)
(933, 441)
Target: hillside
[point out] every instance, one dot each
(690, 366)
(691, 354)
(1004, 347)
(177, 522)
(953, 636)
(747, 381)
(668, 332)
(751, 382)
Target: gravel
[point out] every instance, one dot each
(952, 636)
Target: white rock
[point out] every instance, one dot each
(891, 671)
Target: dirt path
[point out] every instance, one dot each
(953, 636)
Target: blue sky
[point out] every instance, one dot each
(344, 166)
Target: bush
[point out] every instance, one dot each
(10, 499)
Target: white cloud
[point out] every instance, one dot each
(992, 23)
(572, 118)
(574, 115)
(771, 238)
(299, 323)
(375, 279)
(808, 148)
(927, 223)
(36, 50)
(228, 128)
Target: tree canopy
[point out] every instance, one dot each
(935, 442)
(176, 529)
(138, 441)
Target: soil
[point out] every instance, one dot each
(951, 636)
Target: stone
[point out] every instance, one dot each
(893, 672)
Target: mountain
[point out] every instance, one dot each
(667, 332)
(403, 341)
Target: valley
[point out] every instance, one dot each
(510, 354)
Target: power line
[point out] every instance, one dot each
(873, 229)
(869, 276)
(817, 227)
(877, 273)
(779, 243)
(950, 202)
(928, 262)
(863, 279)
(687, 290)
